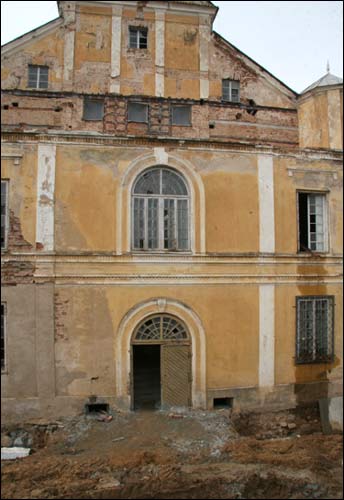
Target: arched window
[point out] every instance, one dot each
(160, 208)
(161, 328)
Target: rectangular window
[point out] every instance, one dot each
(314, 337)
(137, 112)
(138, 37)
(4, 214)
(3, 333)
(93, 109)
(181, 115)
(231, 90)
(38, 77)
(312, 222)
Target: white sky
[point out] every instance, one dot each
(291, 39)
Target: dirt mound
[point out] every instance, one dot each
(176, 455)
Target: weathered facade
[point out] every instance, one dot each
(171, 218)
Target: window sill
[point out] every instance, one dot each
(315, 362)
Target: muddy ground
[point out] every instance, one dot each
(218, 454)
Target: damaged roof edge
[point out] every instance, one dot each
(255, 62)
(30, 34)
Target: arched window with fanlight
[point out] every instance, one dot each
(160, 211)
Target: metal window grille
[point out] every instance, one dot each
(2, 340)
(161, 328)
(137, 112)
(181, 115)
(38, 77)
(160, 211)
(231, 90)
(4, 213)
(314, 338)
(138, 37)
(93, 109)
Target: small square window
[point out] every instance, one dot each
(138, 37)
(137, 112)
(93, 109)
(314, 336)
(231, 90)
(38, 77)
(181, 115)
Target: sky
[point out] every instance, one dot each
(293, 40)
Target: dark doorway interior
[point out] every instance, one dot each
(147, 380)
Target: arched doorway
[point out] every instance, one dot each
(161, 363)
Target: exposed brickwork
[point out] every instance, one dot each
(61, 311)
(17, 272)
(16, 240)
(219, 121)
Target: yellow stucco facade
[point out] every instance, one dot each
(75, 287)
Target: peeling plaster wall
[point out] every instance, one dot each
(69, 276)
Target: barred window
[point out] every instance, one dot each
(38, 77)
(231, 90)
(138, 37)
(312, 222)
(4, 214)
(314, 337)
(93, 109)
(160, 211)
(3, 326)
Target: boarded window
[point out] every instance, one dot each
(312, 222)
(93, 109)
(231, 90)
(314, 337)
(138, 37)
(137, 112)
(38, 77)
(3, 333)
(160, 211)
(181, 115)
(4, 213)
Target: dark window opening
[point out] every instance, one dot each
(4, 213)
(15, 104)
(2, 336)
(223, 403)
(138, 37)
(303, 222)
(93, 109)
(181, 115)
(5, 106)
(146, 378)
(137, 112)
(312, 222)
(96, 407)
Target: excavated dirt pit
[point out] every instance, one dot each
(219, 454)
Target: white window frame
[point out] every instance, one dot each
(38, 76)
(325, 231)
(6, 217)
(138, 31)
(230, 90)
(4, 368)
(161, 226)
